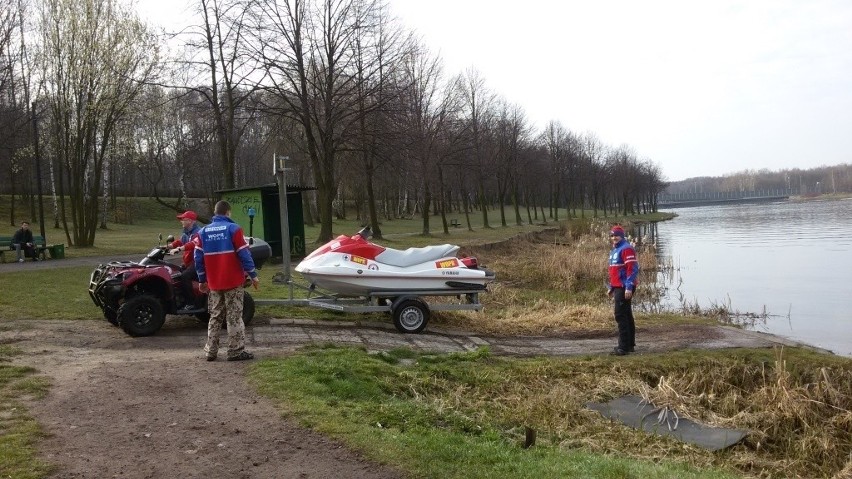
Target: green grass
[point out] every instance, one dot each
(47, 294)
(19, 432)
(149, 219)
(463, 415)
(442, 416)
(435, 416)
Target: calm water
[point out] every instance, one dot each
(789, 260)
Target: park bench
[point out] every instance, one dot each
(41, 247)
(455, 223)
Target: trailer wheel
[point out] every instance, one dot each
(410, 315)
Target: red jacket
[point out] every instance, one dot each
(186, 240)
(222, 256)
(623, 267)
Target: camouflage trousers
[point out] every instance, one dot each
(226, 306)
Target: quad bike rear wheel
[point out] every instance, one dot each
(141, 315)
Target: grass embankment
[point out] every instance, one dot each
(463, 415)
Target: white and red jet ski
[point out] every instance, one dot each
(351, 265)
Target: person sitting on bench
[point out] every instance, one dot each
(23, 243)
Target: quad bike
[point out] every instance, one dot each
(137, 296)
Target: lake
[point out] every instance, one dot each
(787, 262)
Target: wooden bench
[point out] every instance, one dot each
(455, 223)
(39, 243)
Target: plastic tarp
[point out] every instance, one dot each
(639, 414)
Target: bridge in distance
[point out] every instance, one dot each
(683, 200)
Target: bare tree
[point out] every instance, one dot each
(595, 178)
(378, 52)
(478, 102)
(512, 134)
(309, 52)
(12, 108)
(553, 139)
(8, 26)
(429, 105)
(220, 52)
(96, 57)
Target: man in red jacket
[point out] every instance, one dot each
(185, 245)
(223, 260)
(623, 278)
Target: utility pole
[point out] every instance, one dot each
(38, 170)
(278, 165)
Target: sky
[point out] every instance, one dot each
(700, 88)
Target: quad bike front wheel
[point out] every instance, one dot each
(248, 311)
(141, 316)
(111, 315)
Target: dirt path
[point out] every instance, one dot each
(152, 407)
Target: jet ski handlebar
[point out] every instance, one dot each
(364, 233)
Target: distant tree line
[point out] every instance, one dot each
(96, 106)
(820, 180)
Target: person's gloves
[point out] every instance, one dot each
(174, 251)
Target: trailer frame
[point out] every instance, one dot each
(409, 309)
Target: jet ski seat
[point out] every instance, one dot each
(412, 256)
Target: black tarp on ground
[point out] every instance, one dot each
(639, 414)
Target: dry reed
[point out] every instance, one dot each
(797, 415)
(548, 282)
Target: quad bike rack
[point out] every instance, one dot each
(409, 309)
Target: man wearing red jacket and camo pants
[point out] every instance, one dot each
(623, 277)
(223, 259)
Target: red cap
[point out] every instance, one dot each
(617, 231)
(188, 215)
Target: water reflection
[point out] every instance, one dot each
(778, 267)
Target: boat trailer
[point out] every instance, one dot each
(409, 309)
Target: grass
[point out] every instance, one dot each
(136, 233)
(464, 415)
(562, 283)
(66, 298)
(19, 432)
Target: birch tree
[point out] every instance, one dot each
(96, 56)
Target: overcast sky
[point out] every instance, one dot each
(700, 88)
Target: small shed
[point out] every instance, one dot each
(267, 215)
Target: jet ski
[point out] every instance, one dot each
(352, 265)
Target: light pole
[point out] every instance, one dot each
(251, 213)
(278, 166)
